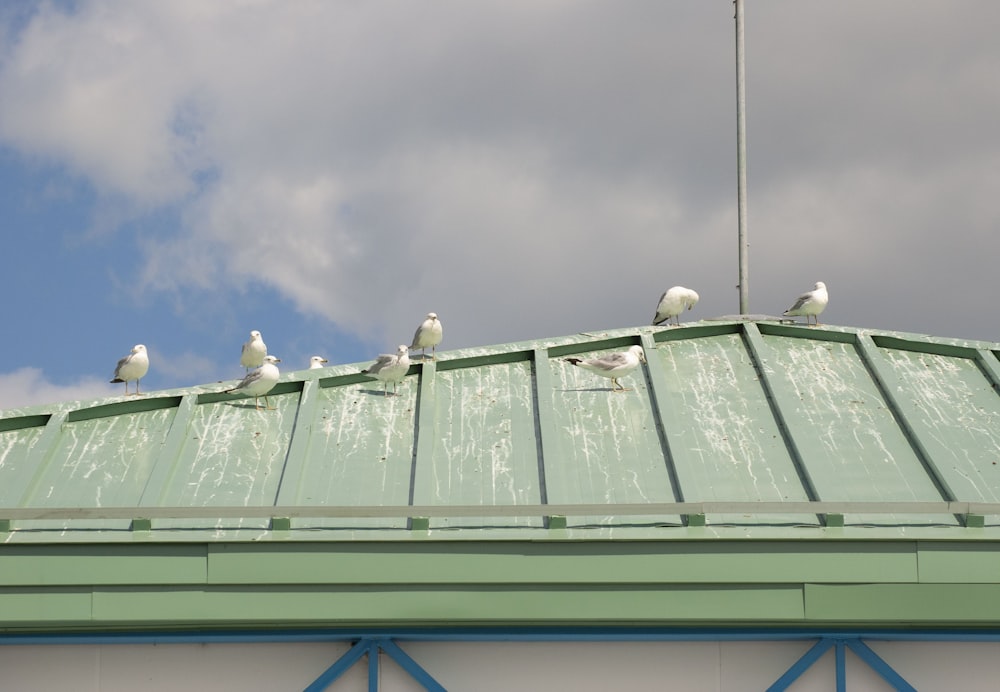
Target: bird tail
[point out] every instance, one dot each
(117, 379)
(574, 361)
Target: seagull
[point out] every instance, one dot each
(132, 367)
(613, 365)
(317, 362)
(390, 368)
(429, 333)
(810, 303)
(672, 303)
(253, 351)
(259, 382)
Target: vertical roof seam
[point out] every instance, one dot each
(424, 423)
(41, 456)
(547, 441)
(657, 386)
(873, 361)
(300, 437)
(754, 343)
(166, 462)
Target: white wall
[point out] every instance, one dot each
(488, 667)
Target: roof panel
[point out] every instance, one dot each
(843, 429)
(606, 444)
(16, 470)
(232, 454)
(724, 440)
(358, 450)
(481, 444)
(952, 406)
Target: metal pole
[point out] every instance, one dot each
(741, 159)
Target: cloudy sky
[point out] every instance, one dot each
(179, 173)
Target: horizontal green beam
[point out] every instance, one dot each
(225, 606)
(903, 603)
(490, 562)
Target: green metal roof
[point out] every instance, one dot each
(749, 428)
(757, 474)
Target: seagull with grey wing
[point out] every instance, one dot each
(613, 365)
(132, 368)
(390, 367)
(259, 382)
(810, 304)
(672, 303)
(428, 334)
(254, 351)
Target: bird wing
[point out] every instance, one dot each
(122, 362)
(656, 318)
(801, 300)
(416, 337)
(381, 363)
(251, 377)
(610, 361)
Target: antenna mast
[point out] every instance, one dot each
(741, 159)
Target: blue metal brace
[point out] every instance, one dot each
(372, 646)
(801, 666)
(876, 663)
(341, 666)
(839, 644)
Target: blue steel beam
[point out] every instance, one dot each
(841, 667)
(410, 666)
(341, 665)
(802, 665)
(873, 660)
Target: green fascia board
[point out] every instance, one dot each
(112, 607)
(853, 605)
(903, 603)
(62, 565)
(461, 564)
(958, 562)
(593, 563)
(51, 607)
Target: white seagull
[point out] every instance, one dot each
(390, 368)
(132, 367)
(673, 302)
(253, 351)
(429, 333)
(613, 365)
(259, 382)
(317, 362)
(811, 303)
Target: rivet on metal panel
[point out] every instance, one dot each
(834, 520)
(141, 525)
(696, 519)
(557, 521)
(972, 521)
(281, 524)
(420, 524)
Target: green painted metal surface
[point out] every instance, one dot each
(754, 474)
(756, 412)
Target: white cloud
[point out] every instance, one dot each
(29, 387)
(524, 169)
